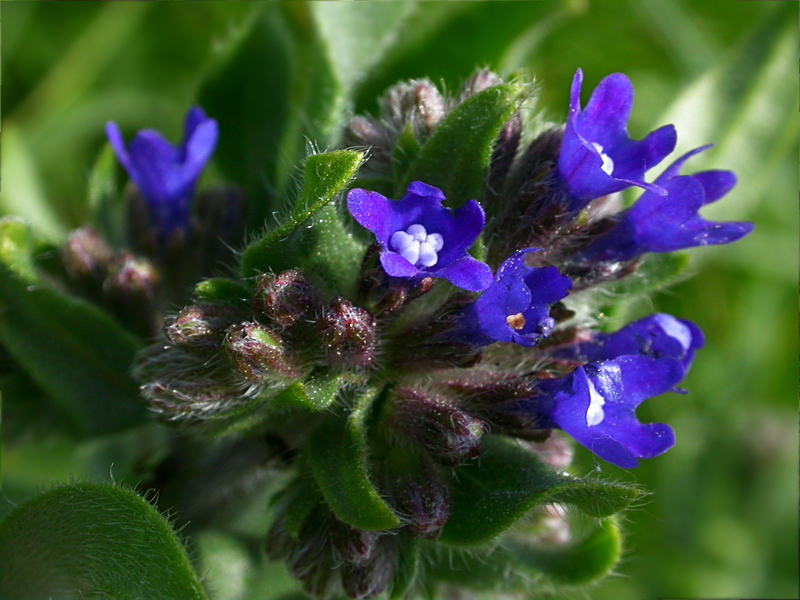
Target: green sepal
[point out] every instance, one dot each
(317, 392)
(312, 235)
(107, 208)
(479, 570)
(223, 291)
(491, 494)
(337, 453)
(71, 349)
(93, 541)
(456, 157)
(580, 563)
(656, 271)
(407, 569)
(405, 151)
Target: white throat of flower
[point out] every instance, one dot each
(608, 163)
(416, 245)
(594, 414)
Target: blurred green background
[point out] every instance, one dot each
(722, 521)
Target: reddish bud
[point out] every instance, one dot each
(258, 354)
(348, 334)
(285, 298)
(200, 329)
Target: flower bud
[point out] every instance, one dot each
(258, 354)
(372, 577)
(482, 80)
(348, 334)
(285, 298)
(354, 546)
(420, 494)
(417, 102)
(449, 433)
(87, 259)
(132, 291)
(200, 329)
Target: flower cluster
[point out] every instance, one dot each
(464, 323)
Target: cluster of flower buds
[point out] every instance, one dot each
(458, 346)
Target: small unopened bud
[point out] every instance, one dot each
(86, 258)
(348, 334)
(258, 354)
(420, 494)
(285, 298)
(482, 80)
(417, 102)
(555, 451)
(371, 578)
(449, 433)
(354, 546)
(132, 289)
(200, 329)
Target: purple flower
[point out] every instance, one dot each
(597, 155)
(421, 238)
(164, 174)
(668, 223)
(516, 306)
(656, 336)
(596, 405)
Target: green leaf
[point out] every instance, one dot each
(748, 107)
(656, 271)
(271, 88)
(408, 566)
(74, 351)
(92, 541)
(490, 495)
(576, 564)
(475, 569)
(312, 235)
(318, 392)
(337, 453)
(357, 35)
(224, 291)
(22, 193)
(463, 142)
(107, 209)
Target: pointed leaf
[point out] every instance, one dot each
(271, 88)
(656, 271)
(490, 495)
(575, 564)
(312, 235)
(317, 392)
(337, 453)
(464, 143)
(92, 541)
(74, 351)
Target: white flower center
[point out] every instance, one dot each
(416, 245)
(608, 164)
(595, 414)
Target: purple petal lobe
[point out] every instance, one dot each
(420, 238)
(597, 156)
(165, 174)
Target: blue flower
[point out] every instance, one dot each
(164, 174)
(668, 223)
(596, 405)
(656, 336)
(421, 238)
(597, 156)
(516, 306)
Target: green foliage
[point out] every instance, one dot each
(337, 453)
(317, 392)
(50, 333)
(92, 541)
(312, 235)
(577, 563)
(489, 496)
(464, 143)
